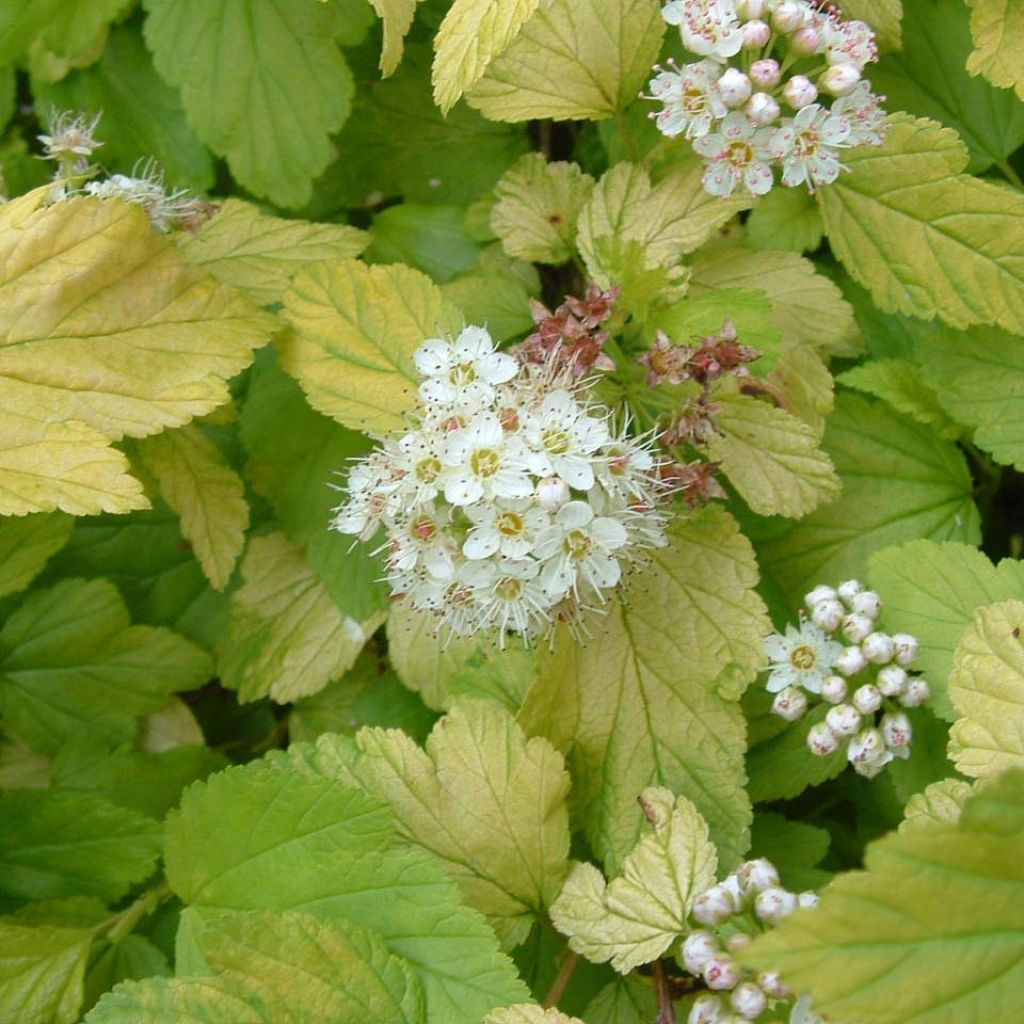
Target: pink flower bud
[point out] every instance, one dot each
(896, 730)
(765, 74)
(833, 689)
(806, 41)
(867, 699)
(800, 92)
(878, 648)
(848, 590)
(761, 109)
(698, 948)
(748, 1000)
(755, 35)
(916, 693)
(713, 906)
(772, 986)
(774, 904)
(757, 875)
(825, 615)
(865, 746)
(857, 627)
(839, 79)
(851, 661)
(867, 602)
(552, 493)
(748, 9)
(734, 87)
(706, 1010)
(731, 885)
(721, 973)
(820, 593)
(905, 648)
(891, 681)
(789, 16)
(790, 704)
(843, 719)
(822, 740)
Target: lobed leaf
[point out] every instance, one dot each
(25, 546)
(997, 27)
(41, 973)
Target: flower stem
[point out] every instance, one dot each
(558, 986)
(627, 137)
(1009, 173)
(666, 1009)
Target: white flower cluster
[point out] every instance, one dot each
(811, 660)
(512, 502)
(750, 897)
(788, 52)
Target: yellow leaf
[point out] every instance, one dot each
(397, 17)
(573, 60)
(884, 16)
(529, 1013)
(355, 331)
(472, 34)
(998, 30)
(259, 254)
(206, 493)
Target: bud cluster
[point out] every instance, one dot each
(732, 913)
(512, 501)
(758, 58)
(833, 656)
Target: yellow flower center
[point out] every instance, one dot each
(556, 440)
(803, 658)
(485, 462)
(464, 373)
(428, 469)
(741, 153)
(510, 524)
(509, 588)
(577, 545)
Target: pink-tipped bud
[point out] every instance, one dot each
(790, 704)
(916, 693)
(866, 602)
(866, 746)
(772, 986)
(851, 661)
(891, 681)
(766, 75)
(839, 79)
(800, 92)
(757, 875)
(807, 900)
(712, 907)
(821, 740)
(731, 885)
(774, 904)
(748, 1000)
(905, 648)
(698, 948)
(857, 627)
(834, 689)
(755, 35)
(552, 493)
(749, 9)
(721, 973)
(706, 1010)
(818, 594)
(789, 17)
(896, 730)
(843, 719)
(762, 109)
(867, 699)
(806, 41)
(734, 87)
(878, 648)
(826, 615)
(848, 590)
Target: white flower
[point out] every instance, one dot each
(803, 657)
(463, 371)
(507, 529)
(738, 153)
(848, 42)
(508, 595)
(563, 438)
(421, 542)
(691, 101)
(807, 146)
(481, 462)
(709, 28)
(70, 137)
(861, 110)
(580, 544)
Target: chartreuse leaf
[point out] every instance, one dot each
(803, 378)
(900, 481)
(933, 591)
(942, 903)
(941, 801)
(997, 27)
(647, 700)
(271, 838)
(259, 254)
(65, 29)
(786, 218)
(529, 1013)
(472, 34)
(928, 78)
(902, 384)
(142, 114)
(925, 238)
(61, 844)
(443, 669)
(287, 638)
(486, 801)
(41, 973)
(355, 331)
(633, 919)
(572, 61)
(538, 205)
(208, 495)
(770, 456)
(884, 16)
(183, 1001)
(269, 110)
(987, 689)
(397, 17)
(26, 544)
(72, 663)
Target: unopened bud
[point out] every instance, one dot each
(821, 740)
(731, 886)
(757, 875)
(848, 590)
(839, 79)
(867, 602)
(891, 681)
(865, 746)
(774, 904)
(772, 986)
(766, 74)
(734, 87)
(698, 948)
(896, 730)
(851, 661)
(833, 689)
(843, 719)
(789, 16)
(878, 648)
(748, 9)
(800, 92)
(761, 109)
(790, 704)
(738, 941)
(706, 1009)
(867, 699)
(820, 593)
(905, 648)
(721, 973)
(916, 693)
(713, 906)
(755, 35)
(748, 1000)
(806, 41)
(857, 627)
(552, 493)
(807, 900)
(826, 615)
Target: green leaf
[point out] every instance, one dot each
(900, 482)
(630, 1000)
(472, 34)
(941, 903)
(794, 847)
(928, 79)
(987, 689)
(636, 917)
(71, 663)
(647, 700)
(924, 238)
(430, 238)
(41, 973)
(181, 1001)
(499, 300)
(771, 457)
(803, 378)
(269, 109)
(258, 254)
(26, 544)
(932, 591)
(264, 838)
(996, 26)
(355, 331)
(529, 1013)
(142, 114)
(60, 844)
(538, 205)
(487, 802)
(572, 61)
(786, 218)
(123, 959)
(287, 638)
(65, 29)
